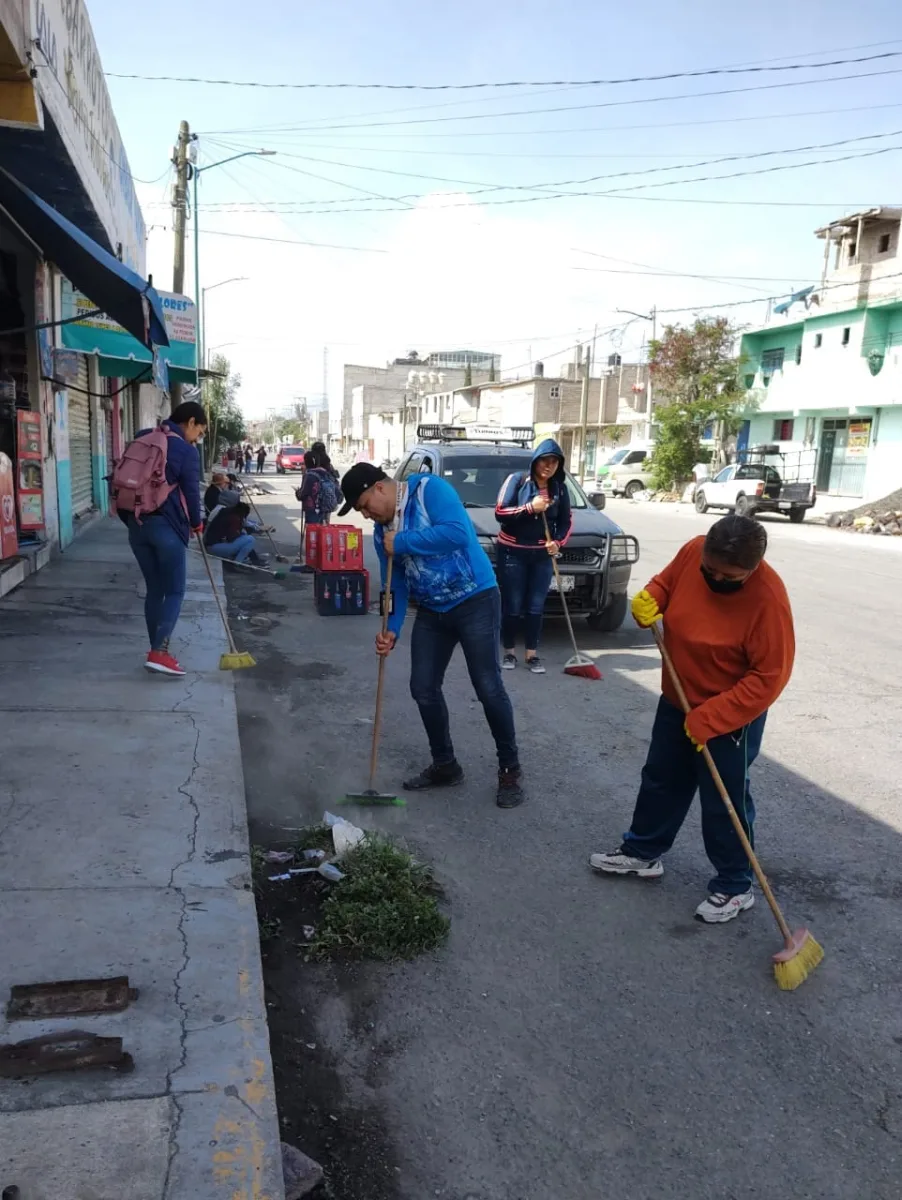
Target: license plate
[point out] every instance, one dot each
(784, 504)
(567, 584)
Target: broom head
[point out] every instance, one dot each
(235, 662)
(795, 962)
(582, 666)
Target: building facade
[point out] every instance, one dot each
(824, 374)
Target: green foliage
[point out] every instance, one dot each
(221, 401)
(696, 381)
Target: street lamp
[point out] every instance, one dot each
(197, 173)
(202, 311)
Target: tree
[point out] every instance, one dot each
(221, 401)
(696, 380)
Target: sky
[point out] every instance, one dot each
(452, 265)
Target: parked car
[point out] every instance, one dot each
(289, 458)
(754, 485)
(626, 472)
(596, 562)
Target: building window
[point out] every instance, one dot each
(772, 360)
(846, 334)
(883, 243)
(783, 430)
(554, 392)
(818, 341)
(799, 354)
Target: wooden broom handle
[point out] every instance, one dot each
(377, 718)
(724, 794)
(203, 549)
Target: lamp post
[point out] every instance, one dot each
(197, 174)
(202, 313)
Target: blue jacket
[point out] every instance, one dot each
(438, 559)
(182, 469)
(520, 526)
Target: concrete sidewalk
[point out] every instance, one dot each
(124, 851)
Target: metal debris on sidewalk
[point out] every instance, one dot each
(69, 998)
(72, 1051)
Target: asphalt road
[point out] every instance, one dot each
(581, 1036)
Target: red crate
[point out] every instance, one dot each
(342, 593)
(312, 544)
(340, 548)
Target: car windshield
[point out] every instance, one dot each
(293, 450)
(617, 457)
(477, 478)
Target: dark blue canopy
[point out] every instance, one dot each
(116, 289)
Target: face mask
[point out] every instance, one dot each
(723, 587)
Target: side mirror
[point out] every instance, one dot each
(597, 500)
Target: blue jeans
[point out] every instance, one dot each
(673, 772)
(474, 625)
(237, 551)
(523, 576)
(161, 555)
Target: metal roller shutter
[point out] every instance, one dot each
(80, 441)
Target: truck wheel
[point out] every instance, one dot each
(797, 515)
(744, 507)
(632, 488)
(701, 504)
(612, 617)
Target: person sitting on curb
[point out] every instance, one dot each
(226, 535)
(441, 566)
(728, 628)
(220, 491)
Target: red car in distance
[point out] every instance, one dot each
(290, 458)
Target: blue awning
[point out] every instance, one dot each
(115, 288)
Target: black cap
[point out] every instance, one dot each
(360, 477)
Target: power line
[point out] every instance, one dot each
(509, 83)
(482, 187)
(251, 237)
(519, 112)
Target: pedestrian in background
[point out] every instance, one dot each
(261, 459)
(728, 628)
(248, 458)
(159, 540)
(318, 493)
(527, 500)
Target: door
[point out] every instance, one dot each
(80, 441)
(715, 490)
(742, 438)
(825, 459)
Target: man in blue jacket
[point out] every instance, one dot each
(441, 566)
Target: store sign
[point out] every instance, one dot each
(99, 334)
(9, 538)
(74, 91)
(31, 470)
(65, 366)
(859, 439)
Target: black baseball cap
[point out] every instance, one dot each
(360, 477)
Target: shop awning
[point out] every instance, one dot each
(113, 287)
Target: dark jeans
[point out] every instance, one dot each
(161, 555)
(474, 625)
(260, 467)
(673, 771)
(523, 576)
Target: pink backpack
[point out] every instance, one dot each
(139, 478)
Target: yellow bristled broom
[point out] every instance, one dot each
(235, 659)
(801, 953)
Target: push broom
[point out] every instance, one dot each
(370, 795)
(235, 659)
(278, 573)
(264, 527)
(579, 664)
(801, 953)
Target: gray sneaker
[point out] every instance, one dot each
(535, 665)
(509, 662)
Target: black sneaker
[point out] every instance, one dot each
(509, 662)
(436, 775)
(510, 791)
(535, 665)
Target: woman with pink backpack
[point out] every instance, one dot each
(161, 518)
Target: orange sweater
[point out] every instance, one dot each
(734, 653)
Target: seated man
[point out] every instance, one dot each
(226, 537)
(220, 491)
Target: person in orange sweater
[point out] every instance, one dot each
(728, 627)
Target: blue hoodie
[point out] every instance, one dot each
(520, 526)
(438, 559)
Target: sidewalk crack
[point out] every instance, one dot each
(183, 1044)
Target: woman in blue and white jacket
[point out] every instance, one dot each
(527, 500)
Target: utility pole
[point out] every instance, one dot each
(180, 206)
(584, 415)
(654, 335)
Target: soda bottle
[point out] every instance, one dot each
(338, 596)
(358, 599)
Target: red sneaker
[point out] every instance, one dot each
(163, 662)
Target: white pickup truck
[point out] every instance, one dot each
(755, 486)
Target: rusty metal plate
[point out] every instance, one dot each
(73, 1051)
(69, 998)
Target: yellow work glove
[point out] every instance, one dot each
(645, 609)
(698, 745)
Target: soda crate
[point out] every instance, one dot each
(340, 548)
(342, 593)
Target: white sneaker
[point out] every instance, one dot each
(718, 908)
(622, 864)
